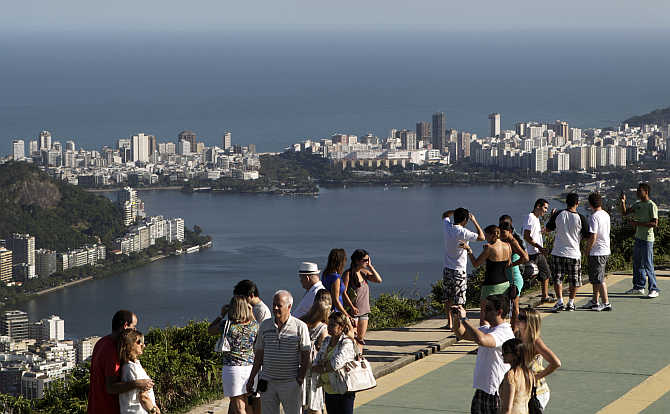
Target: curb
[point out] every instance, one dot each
(415, 356)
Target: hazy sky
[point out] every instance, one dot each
(194, 15)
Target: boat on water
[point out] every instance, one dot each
(193, 249)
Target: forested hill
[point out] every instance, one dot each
(658, 117)
(61, 216)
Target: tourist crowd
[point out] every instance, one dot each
(289, 356)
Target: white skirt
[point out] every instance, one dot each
(234, 379)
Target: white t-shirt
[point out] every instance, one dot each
(261, 312)
(130, 400)
(599, 224)
(533, 224)
(307, 301)
(455, 257)
(570, 228)
(490, 368)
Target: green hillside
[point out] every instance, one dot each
(60, 216)
(658, 117)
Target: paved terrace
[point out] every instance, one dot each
(613, 362)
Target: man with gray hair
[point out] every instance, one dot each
(282, 348)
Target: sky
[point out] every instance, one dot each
(26, 16)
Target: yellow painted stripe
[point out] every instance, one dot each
(641, 396)
(418, 369)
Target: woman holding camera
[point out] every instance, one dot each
(238, 361)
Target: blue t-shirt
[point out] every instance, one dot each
(328, 283)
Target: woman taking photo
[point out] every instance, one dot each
(131, 346)
(529, 323)
(517, 385)
(317, 322)
(238, 361)
(332, 280)
(337, 350)
(357, 277)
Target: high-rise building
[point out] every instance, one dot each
(184, 147)
(140, 147)
(85, 348)
(175, 230)
(128, 200)
(18, 149)
(520, 128)
(423, 132)
(188, 136)
(45, 262)
(494, 120)
(464, 139)
(45, 140)
(33, 147)
(70, 146)
(579, 158)
(152, 144)
(53, 329)
(23, 248)
(227, 141)
(5, 265)
(14, 323)
(538, 159)
(562, 129)
(408, 139)
(439, 131)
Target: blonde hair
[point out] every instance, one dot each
(240, 310)
(532, 333)
(320, 308)
(127, 341)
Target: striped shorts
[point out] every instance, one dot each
(566, 269)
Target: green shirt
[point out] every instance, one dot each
(645, 211)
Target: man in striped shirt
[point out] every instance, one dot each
(283, 349)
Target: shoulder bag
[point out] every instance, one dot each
(222, 345)
(534, 406)
(356, 376)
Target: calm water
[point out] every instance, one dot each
(263, 238)
(274, 88)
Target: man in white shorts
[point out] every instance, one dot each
(454, 274)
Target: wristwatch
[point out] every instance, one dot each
(464, 319)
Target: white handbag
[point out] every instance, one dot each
(222, 345)
(355, 376)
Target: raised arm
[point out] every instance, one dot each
(549, 356)
(214, 328)
(447, 213)
(480, 232)
(372, 275)
(466, 331)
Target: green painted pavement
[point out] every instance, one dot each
(661, 406)
(604, 355)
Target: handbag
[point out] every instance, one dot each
(222, 345)
(356, 376)
(534, 406)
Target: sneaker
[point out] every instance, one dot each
(653, 294)
(607, 307)
(598, 308)
(570, 307)
(634, 291)
(589, 305)
(558, 307)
